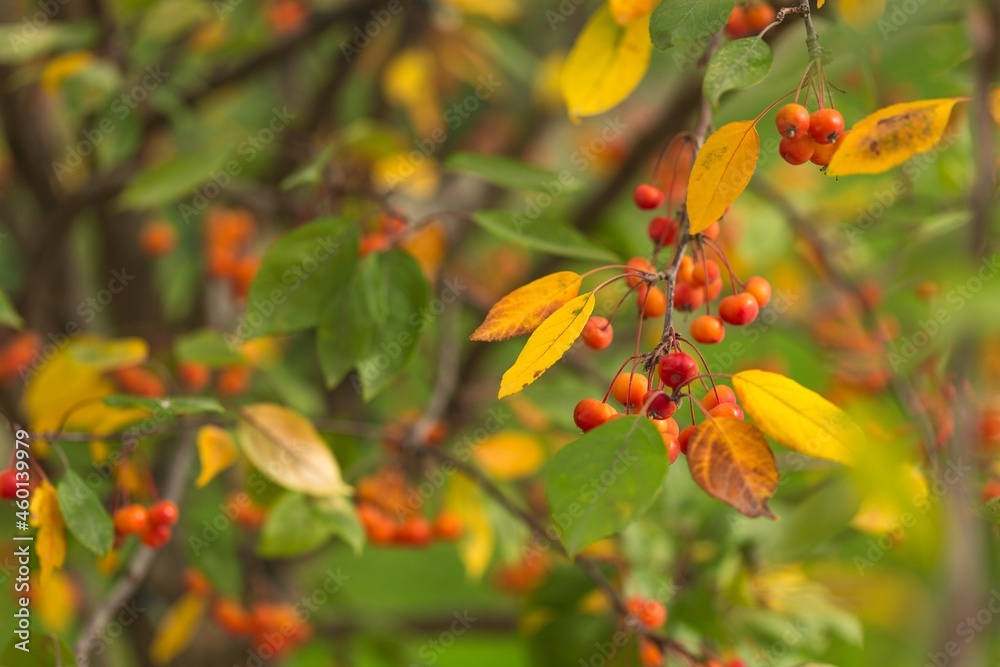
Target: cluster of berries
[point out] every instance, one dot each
(809, 137)
(381, 237)
(229, 381)
(749, 19)
(389, 517)
(154, 525)
(227, 236)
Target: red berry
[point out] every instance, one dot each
(232, 617)
(648, 197)
(194, 376)
(662, 230)
(156, 536)
(196, 583)
(131, 519)
(713, 289)
(415, 531)
(798, 150)
(708, 329)
(792, 120)
(673, 445)
(991, 490)
(685, 438)
(759, 15)
(639, 265)
(739, 309)
(677, 368)
(705, 272)
(629, 388)
(8, 485)
(597, 333)
(826, 125)
(718, 394)
(688, 296)
(760, 288)
(727, 410)
(652, 301)
(651, 613)
(448, 526)
(163, 513)
(736, 25)
(591, 413)
(658, 404)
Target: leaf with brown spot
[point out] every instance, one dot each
(731, 461)
(722, 170)
(522, 310)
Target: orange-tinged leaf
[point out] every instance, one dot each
(859, 14)
(428, 246)
(285, 446)
(729, 459)
(605, 65)
(522, 310)
(178, 627)
(721, 172)
(548, 344)
(216, 451)
(796, 417)
(626, 11)
(891, 136)
(820, 3)
(50, 542)
(510, 455)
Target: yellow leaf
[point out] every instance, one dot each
(798, 418)
(63, 66)
(859, 14)
(891, 136)
(721, 172)
(626, 11)
(109, 354)
(820, 3)
(607, 62)
(56, 602)
(216, 451)
(50, 542)
(428, 246)
(500, 11)
(510, 455)
(285, 446)
(475, 549)
(729, 459)
(398, 171)
(548, 344)
(525, 308)
(407, 80)
(902, 489)
(177, 628)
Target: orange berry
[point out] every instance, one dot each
(713, 230)
(685, 270)
(378, 525)
(232, 617)
(737, 26)
(629, 388)
(651, 613)
(652, 301)
(286, 16)
(708, 329)
(727, 411)
(222, 261)
(233, 380)
(713, 290)
(648, 197)
(415, 531)
(448, 526)
(649, 653)
(196, 583)
(194, 376)
(158, 238)
(684, 438)
(739, 309)
(140, 382)
(18, 355)
(705, 272)
(591, 413)
(792, 121)
(639, 265)
(131, 519)
(658, 405)
(759, 16)
(688, 296)
(597, 333)
(244, 273)
(719, 394)
(374, 242)
(760, 289)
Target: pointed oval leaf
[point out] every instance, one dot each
(50, 541)
(285, 446)
(172, 406)
(525, 308)
(216, 452)
(731, 461)
(796, 417)
(546, 235)
(548, 344)
(605, 65)
(721, 172)
(891, 136)
(178, 628)
(84, 514)
(292, 528)
(599, 483)
(739, 64)
(687, 20)
(109, 354)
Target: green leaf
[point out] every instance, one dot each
(687, 20)
(296, 276)
(991, 510)
(598, 484)
(541, 234)
(174, 406)
(506, 172)
(9, 316)
(206, 347)
(337, 513)
(292, 528)
(344, 333)
(738, 64)
(175, 179)
(24, 41)
(43, 651)
(396, 294)
(84, 514)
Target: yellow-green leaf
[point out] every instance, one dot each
(216, 452)
(475, 549)
(285, 446)
(177, 628)
(522, 310)
(891, 136)
(730, 459)
(510, 455)
(721, 172)
(50, 542)
(859, 14)
(607, 62)
(548, 344)
(796, 417)
(626, 11)
(110, 354)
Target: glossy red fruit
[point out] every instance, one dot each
(163, 513)
(673, 445)
(685, 438)
(798, 150)
(597, 333)
(651, 300)
(677, 368)
(647, 197)
(720, 393)
(826, 125)
(705, 272)
(708, 329)
(760, 288)
(156, 537)
(688, 297)
(759, 16)
(739, 309)
(591, 413)
(8, 485)
(727, 410)
(629, 388)
(131, 519)
(792, 121)
(658, 404)
(662, 230)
